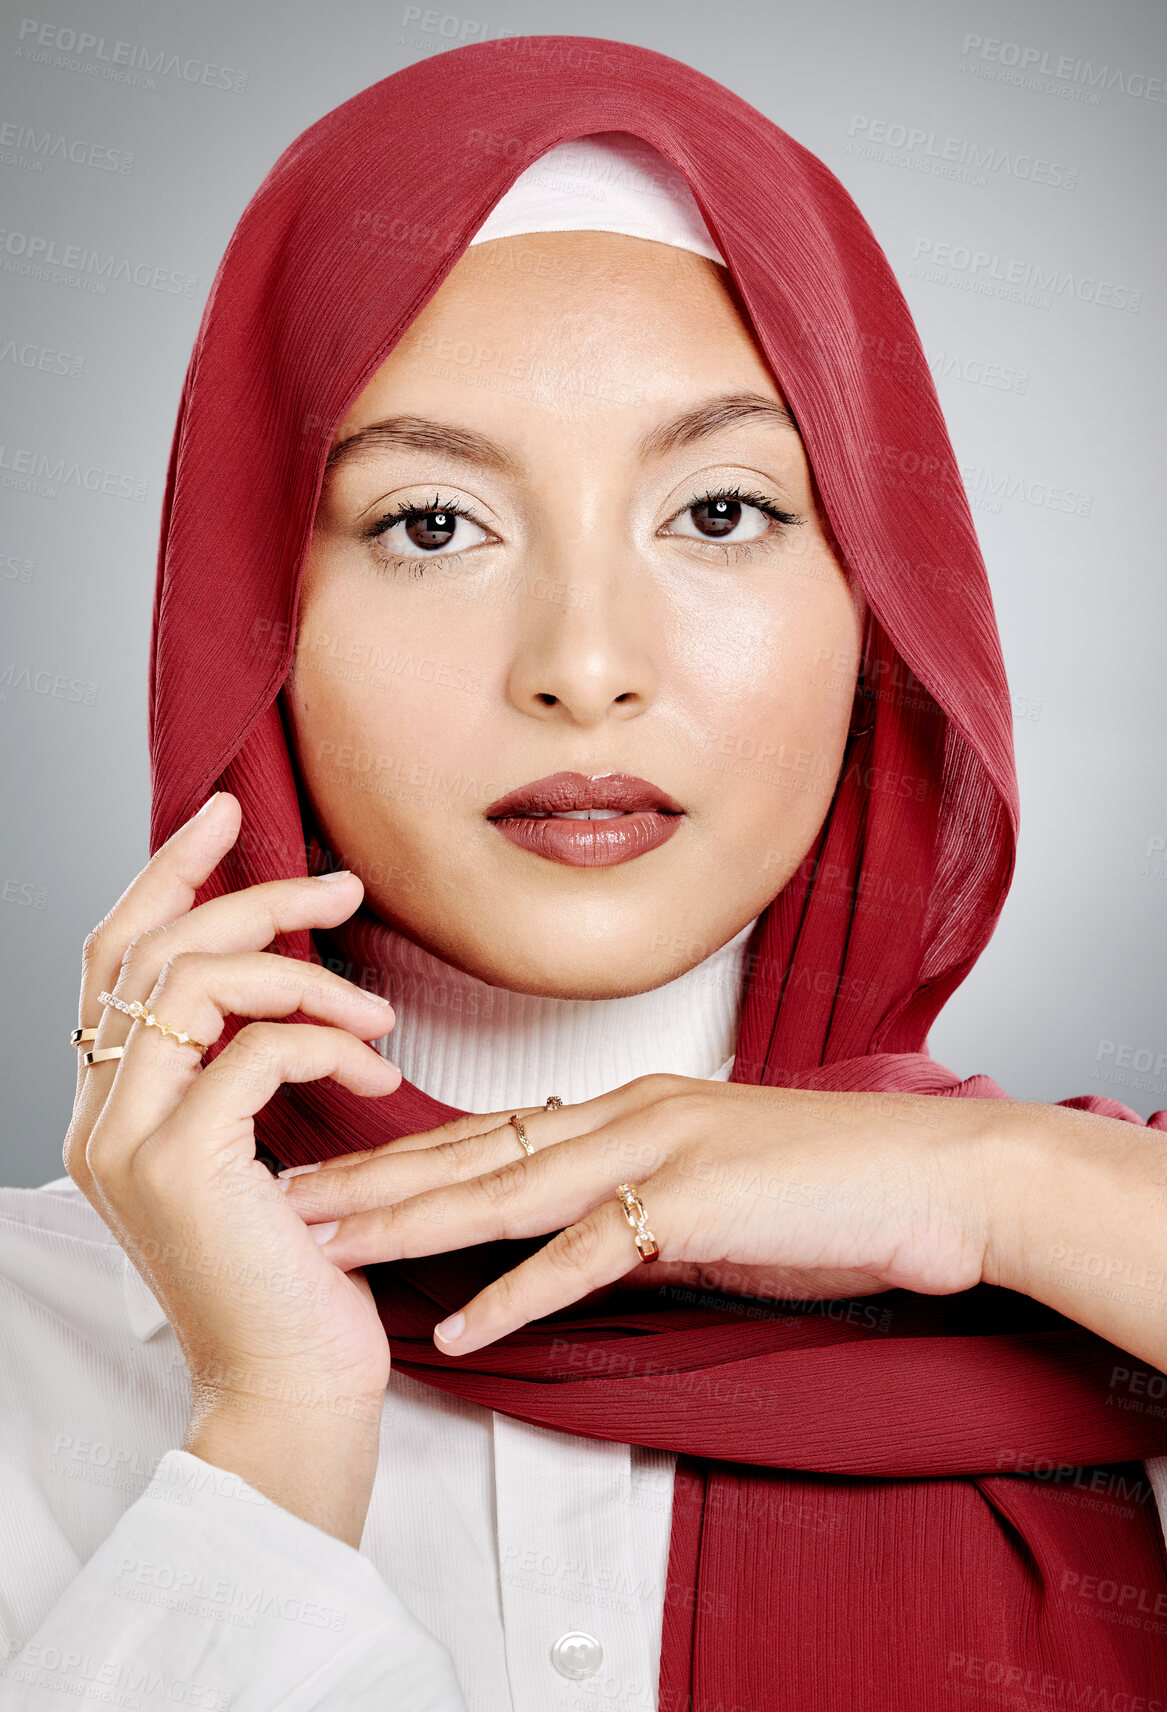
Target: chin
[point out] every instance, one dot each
(549, 965)
(584, 981)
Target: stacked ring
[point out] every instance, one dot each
(100, 1055)
(138, 1011)
(103, 1055)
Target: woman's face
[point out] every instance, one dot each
(568, 529)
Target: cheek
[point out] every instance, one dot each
(383, 713)
(776, 714)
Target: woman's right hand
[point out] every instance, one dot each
(287, 1356)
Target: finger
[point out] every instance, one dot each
(240, 921)
(543, 1128)
(345, 1186)
(247, 1073)
(586, 1256)
(524, 1197)
(213, 1119)
(195, 993)
(246, 920)
(164, 890)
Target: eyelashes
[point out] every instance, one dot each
(445, 515)
(443, 518)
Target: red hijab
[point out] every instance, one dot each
(906, 1502)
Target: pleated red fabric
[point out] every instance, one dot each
(900, 1502)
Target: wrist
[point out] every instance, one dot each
(317, 1460)
(1017, 1167)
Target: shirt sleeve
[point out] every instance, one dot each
(208, 1595)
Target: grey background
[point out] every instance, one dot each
(1065, 468)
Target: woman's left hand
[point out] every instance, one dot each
(783, 1193)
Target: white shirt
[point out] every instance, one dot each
(503, 1567)
(497, 1558)
(131, 1568)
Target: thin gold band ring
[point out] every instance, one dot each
(551, 1104)
(102, 1055)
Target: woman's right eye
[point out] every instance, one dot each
(417, 532)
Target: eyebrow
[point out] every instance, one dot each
(710, 418)
(466, 446)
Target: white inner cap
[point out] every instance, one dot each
(609, 182)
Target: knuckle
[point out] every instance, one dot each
(181, 969)
(264, 1038)
(508, 1295)
(575, 1249)
(470, 1151)
(470, 1124)
(142, 951)
(311, 990)
(73, 1156)
(258, 1047)
(97, 1156)
(660, 1085)
(152, 1171)
(679, 1106)
(504, 1183)
(96, 944)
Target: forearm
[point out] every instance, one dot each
(1078, 1220)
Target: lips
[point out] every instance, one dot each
(587, 822)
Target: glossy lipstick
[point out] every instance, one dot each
(587, 822)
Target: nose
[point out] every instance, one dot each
(586, 650)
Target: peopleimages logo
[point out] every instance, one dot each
(67, 49)
(990, 271)
(996, 486)
(23, 146)
(930, 151)
(45, 472)
(39, 257)
(1030, 63)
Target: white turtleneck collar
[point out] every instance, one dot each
(481, 1048)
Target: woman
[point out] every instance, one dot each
(572, 597)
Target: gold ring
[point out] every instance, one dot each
(647, 1246)
(138, 1011)
(80, 1036)
(517, 1124)
(102, 1055)
(552, 1103)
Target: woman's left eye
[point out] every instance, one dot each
(727, 518)
(428, 532)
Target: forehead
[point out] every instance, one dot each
(546, 270)
(564, 316)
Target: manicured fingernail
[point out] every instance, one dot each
(322, 1233)
(338, 874)
(293, 1171)
(374, 998)
(451, 1330)
(210, 803)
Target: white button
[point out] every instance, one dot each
(577, 1654)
